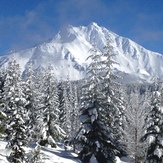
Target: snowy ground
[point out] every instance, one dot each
(50, 155)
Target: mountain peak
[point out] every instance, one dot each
(94, 24)
(68, 51)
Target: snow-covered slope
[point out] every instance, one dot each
(68, 50)
(50, 155)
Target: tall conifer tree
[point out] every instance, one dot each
(15, 104)
(154, 129)
(51, 129)
(98, 110)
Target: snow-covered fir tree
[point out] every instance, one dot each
(51, 130)
(113, 102)
(2, 120)
(15, 103)
(30, 94)
(30, 91)
(74, 115)
(61, 101)
(65, 109)
(133, 130)
(36, 95)
(71, 109)
(2, 114)
(98, 111)
(154, 129)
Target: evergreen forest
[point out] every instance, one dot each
(98, 116)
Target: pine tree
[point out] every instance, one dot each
(74, 115)
(134, 126)
(51, 129)
(154, 130)
(31, 96)
(15, 103)
(98, 111)
(71, 120)
(65, 109)
(112, 98)
(32, 91)
(2, 122)
(2, 115)
(38, 104)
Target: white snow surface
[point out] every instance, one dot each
(50, 155)
(69, 49)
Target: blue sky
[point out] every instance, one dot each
(25, 23)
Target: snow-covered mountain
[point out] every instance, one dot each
(68, 50)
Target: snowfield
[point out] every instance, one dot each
(50, 155)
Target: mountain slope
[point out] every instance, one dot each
(68, 50)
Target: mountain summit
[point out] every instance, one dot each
(68, 50)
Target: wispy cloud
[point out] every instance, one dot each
(41, 23)
(127, 18)
(25, 30)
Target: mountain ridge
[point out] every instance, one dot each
(68, 50)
